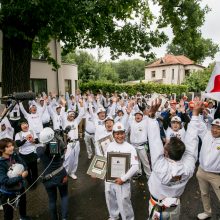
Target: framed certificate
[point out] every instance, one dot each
(97, 167)
(117, 165)
(104, 142)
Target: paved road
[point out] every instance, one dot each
(87, 201)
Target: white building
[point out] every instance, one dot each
(170, 69)
(44, 79)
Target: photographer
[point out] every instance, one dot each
(55, 176)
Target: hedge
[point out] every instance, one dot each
(133, 89)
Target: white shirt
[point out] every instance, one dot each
(125, 147)
(209, 158)
(90, 126)
(34, 120)
(27, 147)
(73, 133)
(179, 134)
(168, 177)
(138, 131)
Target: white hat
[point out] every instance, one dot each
(32, 106)
(101, 109)
(58, 106)
(211, 101)
(108, 118)
(216, 122)
(41, 99)
(138, 112)
(46, 135)
(176, 118)
(118, 127)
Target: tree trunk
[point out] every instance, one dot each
(16, 63)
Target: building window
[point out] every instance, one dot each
(38, 85)
(163, 73)
(153, 74)
(172, 74)
(187, 73)
(68, 86)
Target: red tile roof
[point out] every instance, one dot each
(172, 60)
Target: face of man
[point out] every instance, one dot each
(33, 109)
(175, 125)
(119, 136)
(210, 105)
(58, 110)
(120, 113)
(215, 130)
(42, 102)
(70, 117)
(101, 115)
(138, 117)
(109, 125)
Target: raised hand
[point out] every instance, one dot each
(198, 108)
(154, 107)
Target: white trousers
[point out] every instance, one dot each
(89, 139)
(71, 158)
(142, 156)
(118, 200)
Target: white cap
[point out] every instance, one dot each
(176, 118)
(108, 118)
(41, 99)
(101, 109)
(58, 106)
(32, 106)
(216, 122)
(118, 127)
(138, 112)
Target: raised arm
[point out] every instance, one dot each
(23, 110)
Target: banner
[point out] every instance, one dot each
(213, 88)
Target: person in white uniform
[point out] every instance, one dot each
(176, 129)
(89, 133)
(34, 118)
(73, 147)
(138, 138)
(172, 166)
(208, 173)
(118, 193)
(6, 130)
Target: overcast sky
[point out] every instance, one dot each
(210, 29)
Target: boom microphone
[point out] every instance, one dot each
(21, 96)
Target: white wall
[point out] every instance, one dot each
(179, 73)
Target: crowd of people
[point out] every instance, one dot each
(163, 137)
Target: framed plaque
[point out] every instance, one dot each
(104, 142)
(97, 167)
(117, 165)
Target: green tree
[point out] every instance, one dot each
(186, 18)
(83, 24)
(197, 81)
(128, 70)
(205, 48)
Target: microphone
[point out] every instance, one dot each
(21, 96)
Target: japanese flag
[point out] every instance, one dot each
(213, 87)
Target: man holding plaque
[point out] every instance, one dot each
(122, 164)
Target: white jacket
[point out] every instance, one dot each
(168, 177)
